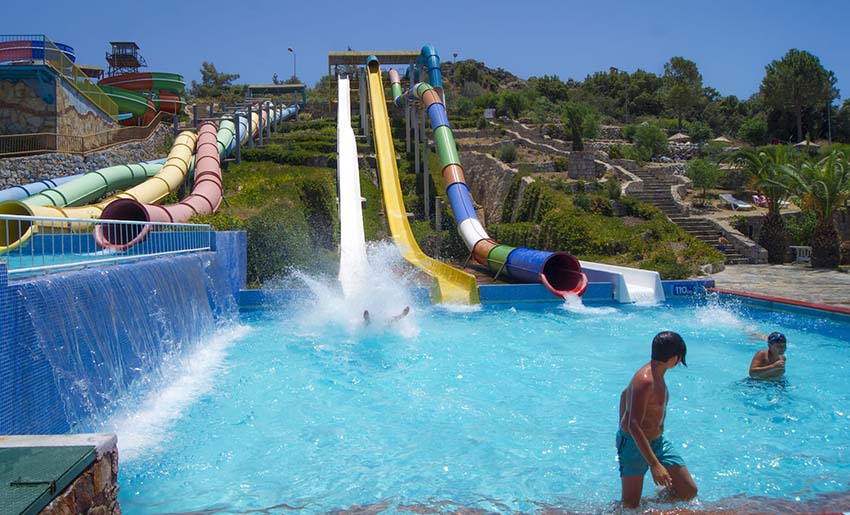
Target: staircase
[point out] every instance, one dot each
(656, 192)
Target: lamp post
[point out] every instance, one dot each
(294, 62)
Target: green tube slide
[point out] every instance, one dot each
(446, 146)
(128, 101)
(94, 185)
(498, 257)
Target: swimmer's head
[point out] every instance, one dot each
(667, 344)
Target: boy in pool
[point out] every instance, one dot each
(769, 363)
(640, 441)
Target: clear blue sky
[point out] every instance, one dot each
(731, 41)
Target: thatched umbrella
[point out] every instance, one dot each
(679, 138)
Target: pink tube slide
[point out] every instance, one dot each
(205, 199)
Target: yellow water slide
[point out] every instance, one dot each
(453, 286)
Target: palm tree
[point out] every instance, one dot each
(769, 175)
(823, 186)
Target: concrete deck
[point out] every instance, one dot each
(796, 282)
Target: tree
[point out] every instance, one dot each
(797, 82)
(682, 87)
(768, 170)
(293, 80)
(699, 131)
(581, 121)
(704, 174)
(543, 110)
(552, 88)
(213, 83)
(510, 104)
(824, 186)
(753, 131)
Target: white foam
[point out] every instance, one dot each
(142, 428)
(574, 304)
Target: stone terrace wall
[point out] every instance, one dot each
(24, 170)
(489, 180)
(23, 111)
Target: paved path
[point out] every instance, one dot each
(795, 282)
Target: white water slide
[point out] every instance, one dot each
(630, 284)
(353, 265)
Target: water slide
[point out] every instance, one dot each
(207, 192)
(23, 191)
(158, 90)
(453, 286)
(560, 272)
(353, 263)
(26, 50)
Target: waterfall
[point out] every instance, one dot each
(108, 331)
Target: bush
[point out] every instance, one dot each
(220, 221)
(754, 132)
(561, 164)
(278, 239)
(698, 131)
(613, 188)
(508, 153)
(650, 141)
(800, 228)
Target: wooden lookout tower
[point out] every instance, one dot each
(125, 58)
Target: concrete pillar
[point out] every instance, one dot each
(361, 92)
(250, 125)
(426, 175)
(406, 126)
(260, 124)
(195, 115)
(438, 213)
(212, 109)
(416, 140)
(238, 139)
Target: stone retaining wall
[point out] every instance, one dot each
(488, 180)
(24, 170)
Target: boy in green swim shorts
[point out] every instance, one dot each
(641, 445)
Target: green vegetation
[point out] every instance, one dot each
(704, 174)
(681, 87)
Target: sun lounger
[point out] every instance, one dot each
(734, 203)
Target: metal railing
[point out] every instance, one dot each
(61, 244)
(37, 143)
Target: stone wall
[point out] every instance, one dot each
(583, 165)
(23, 110)
(77, 116)
(24, 170)
(488, 180)
(610, 132)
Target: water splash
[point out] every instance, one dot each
(384, 292)
(144, 420)
(574, 304)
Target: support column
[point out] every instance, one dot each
(238, 138)
(438, 214)
(416, 140)
(361, 92)
(212, 109)
(426, 172)
(269, 120)
(406, 124)
(250, 125)
(195, 115)
(260, 124)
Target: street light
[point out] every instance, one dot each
(294, 62)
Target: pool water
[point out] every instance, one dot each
(498, 409)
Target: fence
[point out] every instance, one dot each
(37, 143)
(35, 245)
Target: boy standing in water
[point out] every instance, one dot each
(770, 363)
(640, 441)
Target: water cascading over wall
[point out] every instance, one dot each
(74, 344)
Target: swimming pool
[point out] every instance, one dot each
(500, 409)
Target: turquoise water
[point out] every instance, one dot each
(498, 409)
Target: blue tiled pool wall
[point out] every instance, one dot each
(71, 342)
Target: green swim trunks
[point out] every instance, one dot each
(631, 460)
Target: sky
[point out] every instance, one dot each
(730, 41)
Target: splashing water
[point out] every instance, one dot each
(143, 424)
(384, 294)
(574, 304)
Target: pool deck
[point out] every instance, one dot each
(794, 282)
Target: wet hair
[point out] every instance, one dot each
(776, 337)
(667, 344)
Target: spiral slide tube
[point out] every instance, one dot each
(207, 191)
(169, 178)
(560, 272)
(205, 197)
(353, 264)
(453, 286)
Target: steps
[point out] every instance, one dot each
(656, 192)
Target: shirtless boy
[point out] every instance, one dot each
(770, 363)
(640, 440)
